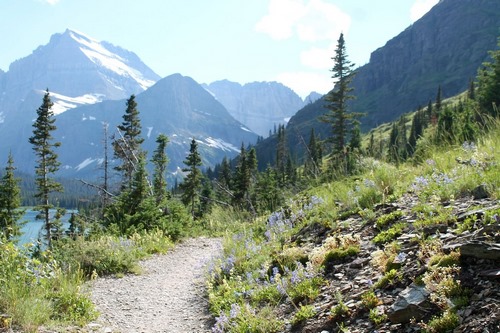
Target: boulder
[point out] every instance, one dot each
(413, 302)
(481, 250)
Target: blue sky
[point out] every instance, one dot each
(290, 41)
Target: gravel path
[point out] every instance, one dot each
(167, 297)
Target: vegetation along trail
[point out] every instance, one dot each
(167, 297)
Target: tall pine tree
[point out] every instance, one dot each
(160, 161)
(191, 185)
(337, 104)
(127, 145)
(10, 203)
(48, 164)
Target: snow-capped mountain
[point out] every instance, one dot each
(78, 70)
(176, 106)
(89, 82)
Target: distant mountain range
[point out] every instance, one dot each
(261, 106)
(89, 81)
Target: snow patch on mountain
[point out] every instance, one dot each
(220, 144)
(101, 56)
(64, 103)
(85, 163)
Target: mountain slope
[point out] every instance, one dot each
(176, 106)
(444, 48)
(78, 70)
(259, 105)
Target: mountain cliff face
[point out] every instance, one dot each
(259, 105)
(444, 48)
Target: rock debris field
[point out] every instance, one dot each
(169, 295)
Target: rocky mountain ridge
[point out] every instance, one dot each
(261, 106)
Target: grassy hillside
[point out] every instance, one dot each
(339, 256)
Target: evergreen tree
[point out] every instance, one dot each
(281, 156)
(393, 143)
(337, 102)
(206, 195)
(355, 143)
(313, 161)
(445, 126)
(48, 164)
(371, 145)
(241, 178)
(488, 92)
(416, 131)
(471, 93)
(192, 183)
(160, 161)
(431, 118)
(438, 100)
(76, 226)
(398, 142)
(223, 183)
(268, 195)
(140, 189)
(127, 146)
(10, 203)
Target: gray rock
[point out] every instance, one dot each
(481, 250)
(480, 192)
(412, 303)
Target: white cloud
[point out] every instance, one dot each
(309, 20)
(303, 83)
(50, 2)
(318, 58)
(283, 15)
(420, 8)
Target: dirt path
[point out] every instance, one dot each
(167, 297)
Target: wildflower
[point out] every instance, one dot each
(469, 146)
(235, 311)
(430, 162)
(317, 200)
(268, 235)
(369, 183)
(295, 277)
(229, 264)
(281, 286)
(401, 257)
(220, 323)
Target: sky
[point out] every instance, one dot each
(289, 41)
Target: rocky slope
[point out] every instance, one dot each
(405, 301)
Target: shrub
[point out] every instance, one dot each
(376, 317)
(447, 322)
(387, 219)
(369, 299)
(303, 313)
(389, 234)
(389, 278)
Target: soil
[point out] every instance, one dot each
(168, 296)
